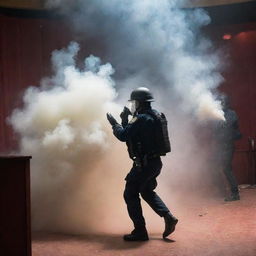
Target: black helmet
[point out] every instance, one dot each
(141, 94)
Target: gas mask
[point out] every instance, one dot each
(133, 106)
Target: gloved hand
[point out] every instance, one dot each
(111, 119)
(124, 116)
(125, 113)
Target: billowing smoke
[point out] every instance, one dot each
(154, 43)
(63, 126)
(78, 167)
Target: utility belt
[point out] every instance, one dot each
(143, 161)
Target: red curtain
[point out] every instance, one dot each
(25, 48)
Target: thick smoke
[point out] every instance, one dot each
(63, 127)
(77, 166)
(156, 44)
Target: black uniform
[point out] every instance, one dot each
(227, 133)
(139, 136)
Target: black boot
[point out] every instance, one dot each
(233, 197)
(170, 223)
(138, 234)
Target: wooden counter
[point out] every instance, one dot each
(15, 228)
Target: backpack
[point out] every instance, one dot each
(162, 141)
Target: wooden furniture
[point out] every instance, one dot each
(15, 228)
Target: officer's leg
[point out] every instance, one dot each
(151, 197)
(131, 196)
(156, 203)
(149, 183)
(132, 199)
(231, 178)
(227, 166)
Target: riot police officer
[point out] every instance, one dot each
(139, 136)
(227, 133)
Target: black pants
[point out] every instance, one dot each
(227, 156)
(143, 181)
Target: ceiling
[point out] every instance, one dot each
(39, 4)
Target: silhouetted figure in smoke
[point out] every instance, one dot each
(227, 132)
(143, 136)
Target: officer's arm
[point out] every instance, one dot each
(125, 133)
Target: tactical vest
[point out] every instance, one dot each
(159, 139)
(162, 142)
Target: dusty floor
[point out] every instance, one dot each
(212, 228)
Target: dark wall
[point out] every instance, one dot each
(25, 49)
(26, 45)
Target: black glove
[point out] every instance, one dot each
(124, 116)
(111, 119)
(125, 113)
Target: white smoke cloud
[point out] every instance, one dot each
(76, 161)
(158, 43)
(63, 126)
